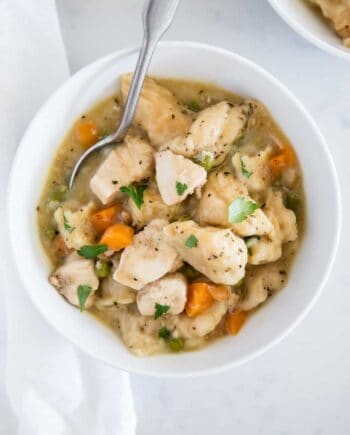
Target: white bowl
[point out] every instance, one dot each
(193, 61)
(310, 26)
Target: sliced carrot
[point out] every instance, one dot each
(117, 236)
(219, 292)
(199, 298)
(282, 160)
(105, 217)
(235, 321)
(87, 133)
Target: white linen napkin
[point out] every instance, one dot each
(52, 387)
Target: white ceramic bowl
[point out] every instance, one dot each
(310, 26)
(192, 61)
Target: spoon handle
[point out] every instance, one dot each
(157, 17)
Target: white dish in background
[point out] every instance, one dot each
(193, 61)
(311, 26)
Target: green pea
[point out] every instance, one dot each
(176, 344)
(50, 233)
(102, 268)
(205, 159)
(293, 201)
(189, 271)
(194, 106)
(59, 193)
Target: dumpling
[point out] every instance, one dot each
(75, 226)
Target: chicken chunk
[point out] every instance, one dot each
(130, 162)
(75, 226)
(253, 170)
(260, 282)
(217, 253)
(170, 290)
(214, 131)
(199, 326)
(139, 333)
(114, 292)
(286, 218)
(338, 12)
(177, 177)
(176, 145)
(158, 112)
(74, 272)
(218, 193)
(153, 207)
(148, 258)
(269, 248)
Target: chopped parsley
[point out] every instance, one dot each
(240, 209)
(164, 333)
(246, 173)
(135, 192)
(92, 251)
(83, 294)
(181, 188)
(191, 242)
(160, 310)
(66, 224)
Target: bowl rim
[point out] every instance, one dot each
(306, 34)
(325, 273)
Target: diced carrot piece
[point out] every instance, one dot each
(235, 321)
(280, 162)
(105, 217)
(117, 236)
(277, 164)
(59, 247)
(219, 292)
(290, 155)
(199, 298)
(87, 133)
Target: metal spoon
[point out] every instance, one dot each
(157, 17)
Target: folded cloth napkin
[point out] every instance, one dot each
(52, 387)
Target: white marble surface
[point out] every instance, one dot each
(302, 386)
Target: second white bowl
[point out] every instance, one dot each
(305, 21)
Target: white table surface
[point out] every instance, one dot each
(302, 386)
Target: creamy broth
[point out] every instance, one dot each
(260, 132)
